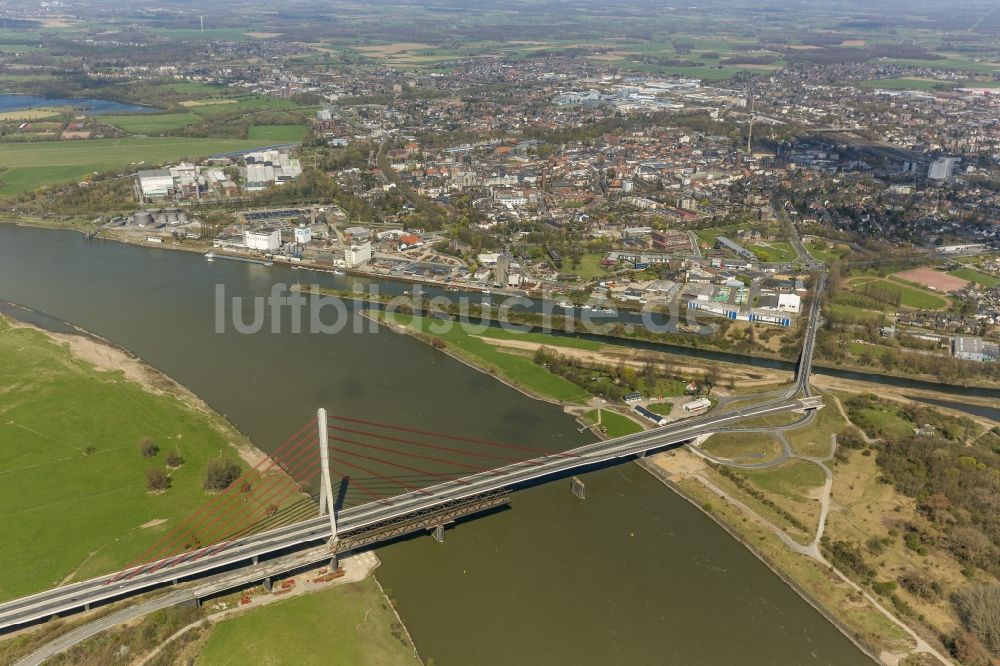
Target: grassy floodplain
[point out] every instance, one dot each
(73, 497)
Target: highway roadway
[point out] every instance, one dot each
(247, 549)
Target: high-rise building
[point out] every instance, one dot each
(942, 169)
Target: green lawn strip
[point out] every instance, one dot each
(151, 123)
(814, 439)
(661, 408)
(554, 341)
(789, 484)
(743, 447)
(348, 624)
(773, 252)
(982, 279)
(515, 368)
(617, 425)
(61, 506)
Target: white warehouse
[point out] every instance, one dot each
(789, 303)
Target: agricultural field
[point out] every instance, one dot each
(211, 101)
(33, 114)
(244, 104)
(150, 123)
(88, 462)
(14, 181)
(277, 133)
(907, 84)
(27, 166)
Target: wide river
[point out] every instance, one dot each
(633, 574)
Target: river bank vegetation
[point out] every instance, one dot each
(912, 520)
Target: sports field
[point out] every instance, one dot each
(928, 277)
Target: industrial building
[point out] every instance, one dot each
(671, 241)
(974, 348)
(153, 184)
(269, 167)
(356, 254)
(721, 242)
(267, 239)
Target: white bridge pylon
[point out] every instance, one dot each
(326, 501)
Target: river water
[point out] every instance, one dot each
(16, 102)
(633, 574)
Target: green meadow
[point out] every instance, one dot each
(149, 123)
(73, 497)
(277, 133)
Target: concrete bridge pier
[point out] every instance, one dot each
(334, 563)
(268, 585)
(438, 533)
(579, 488)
